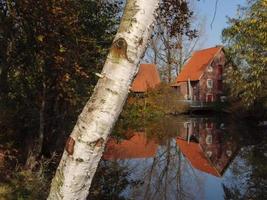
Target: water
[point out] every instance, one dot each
(184, 158)
(197, 157)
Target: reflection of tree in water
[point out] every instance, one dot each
(110, 180)
(250, 171)
(164, 172)
(151, 164)
(169, 176)
(163, 129)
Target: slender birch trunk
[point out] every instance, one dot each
(86, 143)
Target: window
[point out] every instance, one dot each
(209, 153)
(210, 68)
(209, 83)
(228, 153)
(209, 98)
(209, 139)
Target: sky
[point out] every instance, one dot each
(205, 8)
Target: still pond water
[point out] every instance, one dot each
(185, 158)
(174, 158)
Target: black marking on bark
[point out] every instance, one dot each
(97, 143)
(90, 109)
(79, 160)
(112, 91)
(69, 147)
(140, 42)
(119, 49)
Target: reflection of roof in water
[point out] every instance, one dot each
(194, 153)
(138, 146)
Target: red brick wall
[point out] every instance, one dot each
(215, 74)
(200, 90)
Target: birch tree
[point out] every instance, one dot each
(86, 143)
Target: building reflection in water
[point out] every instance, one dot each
(170, 168)
(206, 146)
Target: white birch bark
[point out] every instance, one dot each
(87, 140)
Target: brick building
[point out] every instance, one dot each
(201, 78)
(146, 78)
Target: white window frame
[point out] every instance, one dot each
(209, 139)
(210, 68)
(209, 83)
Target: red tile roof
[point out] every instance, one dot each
(147, 77)
(194, 154)
(196, 65)
(138, 146)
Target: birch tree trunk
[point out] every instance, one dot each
(86, 143)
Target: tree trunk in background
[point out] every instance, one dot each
(37, 144)
(179, 65)
(86, 143)
(3, 80)
(4, 67)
